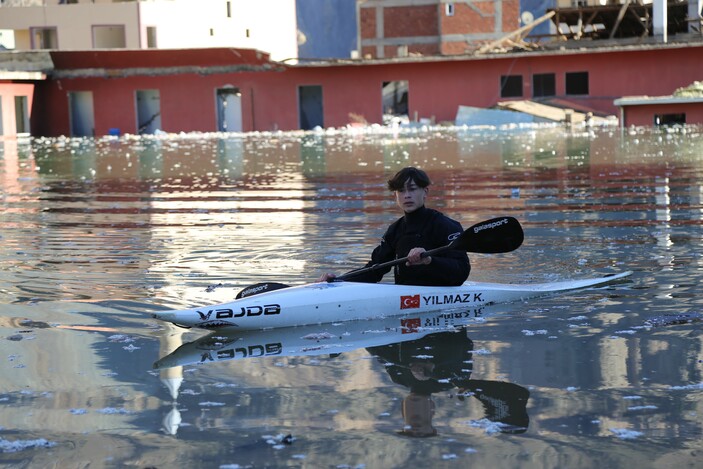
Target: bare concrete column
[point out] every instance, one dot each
(694, 12)
(659, 20)
(380, 33)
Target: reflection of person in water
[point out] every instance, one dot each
(441, 362)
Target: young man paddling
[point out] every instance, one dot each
(420, 229)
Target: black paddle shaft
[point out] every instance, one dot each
(494, 236)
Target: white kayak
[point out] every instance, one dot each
(318, 303)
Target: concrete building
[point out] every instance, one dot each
(266, 25)
(398, 28)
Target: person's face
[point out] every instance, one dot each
(411, 196)
(417, 413)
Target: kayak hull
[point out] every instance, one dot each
(325, 302)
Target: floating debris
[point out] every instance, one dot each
(674, 319)
(7, 446)
(625, 434)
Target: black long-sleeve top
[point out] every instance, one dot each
(424, 228)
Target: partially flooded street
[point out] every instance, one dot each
(97, 234)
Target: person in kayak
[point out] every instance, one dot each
(420, 229)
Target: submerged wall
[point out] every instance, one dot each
(436, 87)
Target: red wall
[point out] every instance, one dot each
(437, 88)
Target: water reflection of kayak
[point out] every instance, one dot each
(319, 339)
(343, 301)
(427, 354)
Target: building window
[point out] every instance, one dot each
(212, 31)
(449, 9)
(44, 38)
(511, 86)
(229, 9)
(109, 37)
(670, 119)
(577, 83)
(543, 84)
(395, 99)
(151, 37)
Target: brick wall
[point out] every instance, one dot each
(410, 21)
(367, 23)
(478, 18)
(472, 24)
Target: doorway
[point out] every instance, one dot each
(229, 110)
(310, 107)
(22, 115)
(148, 111)
(395, 101)
(81, 115)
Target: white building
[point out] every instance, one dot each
(266, 25)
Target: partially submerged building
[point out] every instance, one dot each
(684, 106)
(148, 90)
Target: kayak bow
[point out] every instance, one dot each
(324, 302)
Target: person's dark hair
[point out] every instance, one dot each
(398, 181)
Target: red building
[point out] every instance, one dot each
(146, 91)
(660, 110)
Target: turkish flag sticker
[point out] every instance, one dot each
(409, 302)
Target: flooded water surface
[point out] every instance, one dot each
(96, 235)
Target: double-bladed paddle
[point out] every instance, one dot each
(494, 236)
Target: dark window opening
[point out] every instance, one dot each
(577, 83)
(543, 84)
(395, 98)
(670, 119)
(229, 9)
(511, 86)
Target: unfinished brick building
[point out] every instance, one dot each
(399, 28)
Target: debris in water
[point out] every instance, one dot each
(690, 387)
(674, 319)
(211, 288)
(7, 446)
(625, 434)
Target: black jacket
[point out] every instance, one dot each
(425, 228)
